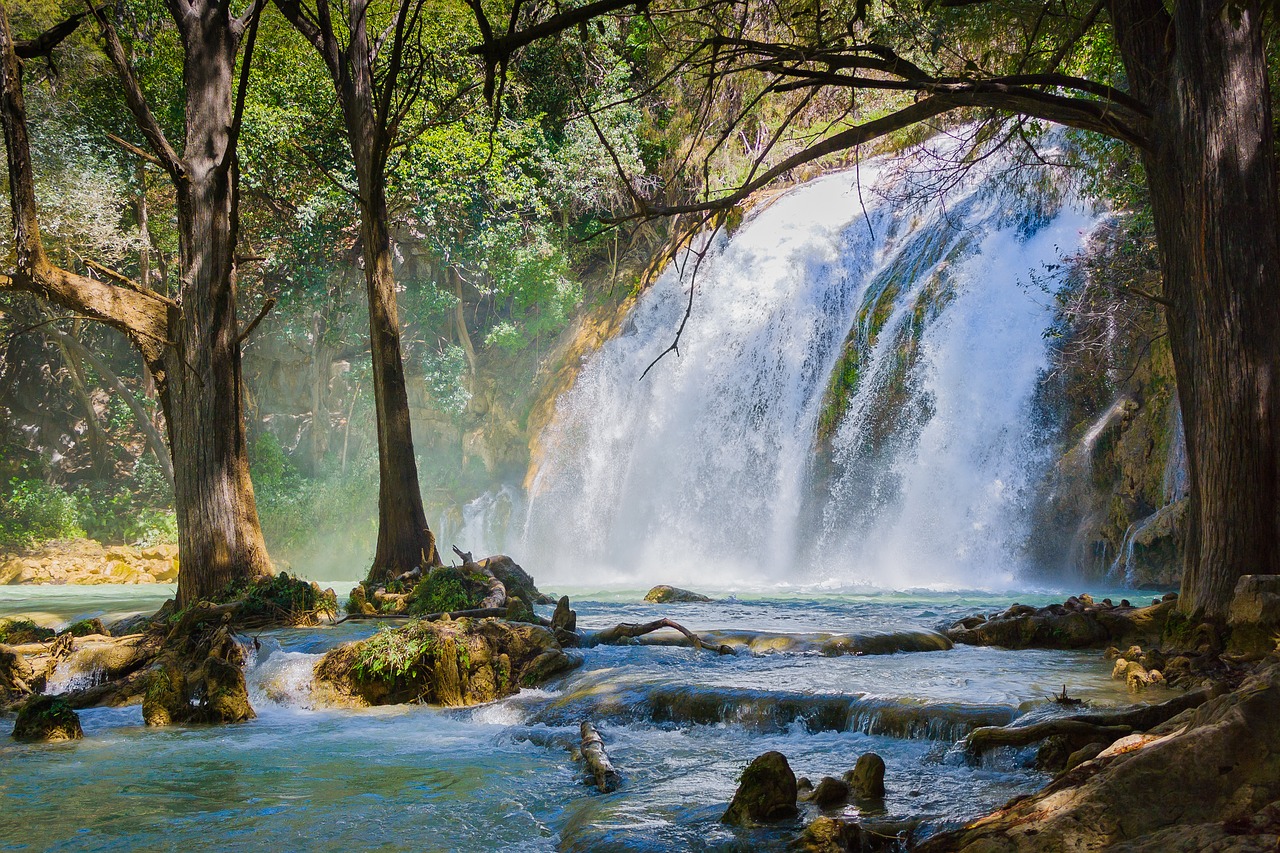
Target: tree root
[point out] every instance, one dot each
(599, 767)
(629, 630)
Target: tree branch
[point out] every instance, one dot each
(137, 101)
(43, 44)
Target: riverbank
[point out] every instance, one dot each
(84, 561)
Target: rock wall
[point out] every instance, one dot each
(83, 561)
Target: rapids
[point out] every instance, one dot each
(680, 725)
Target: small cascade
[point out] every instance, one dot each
(278, 677)
(1162, 523)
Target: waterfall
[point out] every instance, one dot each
(730, 464)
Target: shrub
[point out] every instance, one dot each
(443, 590)
(33, 511)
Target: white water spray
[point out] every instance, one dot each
(709, 471)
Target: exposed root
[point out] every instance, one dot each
(629, 630)
(599, 767)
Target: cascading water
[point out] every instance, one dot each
(727, 465)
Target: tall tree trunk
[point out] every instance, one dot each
(1212, 178)
(219, 538)
(404, 540)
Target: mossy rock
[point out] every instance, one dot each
(663, 594)
(866, 779)
(84, 628)
(518, 582)
(19, 630)
(449, 662)
(275, 600)
(45, 719)
(766, 793)
(165, 701)
(224, 696)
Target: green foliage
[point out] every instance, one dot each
(443, 590)
(17, 630)
(33, 511)
(392, 654)
(279, 595)
(115, 514)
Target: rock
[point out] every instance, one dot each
(518, 582)
(1217, 763)
(766, 792)
(564, 623)
(85, 628)
(1060, 627)
(663, 594)
(866, 779)
(19, 631)
(165, 701)
(225, 696)
(840, 835)
(454, 663)
(1088, 752)
(830, 792)
(1254, 614)
(46, 719)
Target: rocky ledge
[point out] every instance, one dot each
(1077, 623)
(84, 561)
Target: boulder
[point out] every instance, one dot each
(564, 622)
(766, 792)
(840, 835)
(663, 594)
(46, 719)
(446, 662)
(1074, 625)
(1215, 764)
(830, 792)
(866, 779)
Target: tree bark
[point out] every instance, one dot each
(405, 542)
(191, 346)
(1212, 178)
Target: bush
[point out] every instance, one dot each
(33, 511)
(116, 515)
(443, 590)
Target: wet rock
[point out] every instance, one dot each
(46, 719)
(804, 788)
(1054, 753)
(452, 662)
(866, 779)
(766, 792)
(663, 594)
(830, 792)
(842, 835)
(166, 699)
(564, 623)
(518, 582)
(1216, 764)
(185, 688)
(1061, 626)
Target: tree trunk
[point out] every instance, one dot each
(219, 538)
(1212, 177)
(321, 363)
(404, 540)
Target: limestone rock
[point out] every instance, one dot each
(453, 663)
(663, 594)
(866, 779)
(46, 719)
(1217, 763)
(564, 622)
(766, 792)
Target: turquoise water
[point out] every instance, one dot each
(680, 725)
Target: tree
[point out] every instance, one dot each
(376, 98)
(1190, 90)
(191, 344)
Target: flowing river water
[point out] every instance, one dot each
(680, 725)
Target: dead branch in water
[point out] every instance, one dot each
(629, 630)
(599, 767)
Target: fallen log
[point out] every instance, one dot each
(630, 630)
(1108, 726)
(497, 595)
(988, 737)
(599, 767)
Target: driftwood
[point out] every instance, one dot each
(988, 737)
(599, 767)
(497, 596)
(629, 630)
(1107, 726)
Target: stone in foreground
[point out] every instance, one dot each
(766, 793)
(46, 719)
